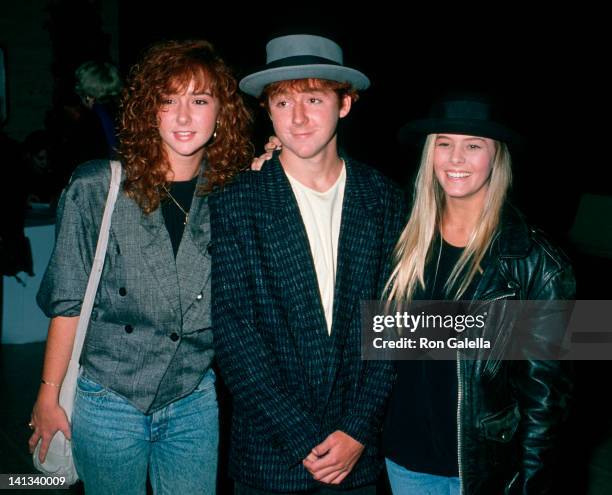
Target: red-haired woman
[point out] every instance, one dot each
(145, 401)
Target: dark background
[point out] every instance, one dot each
(547, 69)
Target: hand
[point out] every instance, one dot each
(272, 145)
(47, 418)
(332, 460)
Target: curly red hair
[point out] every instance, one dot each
(168, 68)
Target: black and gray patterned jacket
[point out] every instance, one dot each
(293, 384)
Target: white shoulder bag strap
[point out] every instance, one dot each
(59, 461)
(69, 383)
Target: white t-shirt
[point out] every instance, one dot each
(322, 213)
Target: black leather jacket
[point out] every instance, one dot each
(510, 412)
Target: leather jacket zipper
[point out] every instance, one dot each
(460, 393)
(459, 398)
(496, 296)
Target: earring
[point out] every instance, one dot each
(215, 133)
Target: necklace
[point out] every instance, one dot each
(186, 213)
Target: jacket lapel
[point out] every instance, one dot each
(181, 279)
(192, 259)
(289, 249)
(357, 243)
(157, 252)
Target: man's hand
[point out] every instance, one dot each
(332, 460)
(272, 145)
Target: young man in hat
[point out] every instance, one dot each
(296, 247)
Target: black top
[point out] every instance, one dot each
(175, 219)
(420, 431)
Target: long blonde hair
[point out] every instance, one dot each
(415, 243)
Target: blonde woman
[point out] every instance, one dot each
(470, 426)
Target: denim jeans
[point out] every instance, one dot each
(403, 481)
(115, 445)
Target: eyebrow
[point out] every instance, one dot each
(314, 92)
(199, 93)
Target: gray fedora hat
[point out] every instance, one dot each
(302, 56)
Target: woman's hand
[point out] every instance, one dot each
(272, 145)
(47, 415)
(47, 418)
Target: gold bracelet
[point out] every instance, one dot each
(45, 382)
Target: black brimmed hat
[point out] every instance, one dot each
(461, 113)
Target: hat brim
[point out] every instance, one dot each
(253, 84)
(410, 132)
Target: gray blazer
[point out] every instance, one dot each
(150, 336)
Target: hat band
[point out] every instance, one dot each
(301, 60)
